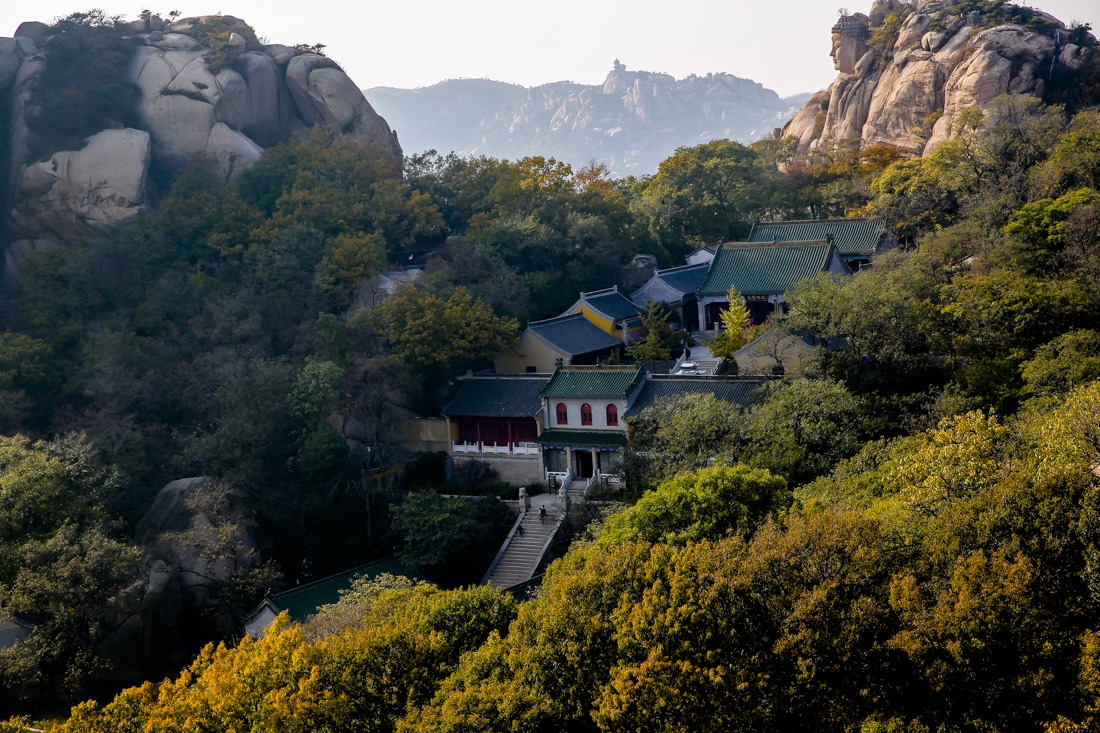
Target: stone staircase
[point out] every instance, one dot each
(704, 361)
(520, 557)
(576, 488)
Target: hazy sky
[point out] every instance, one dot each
(783, 44)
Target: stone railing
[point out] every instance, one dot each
(562, 479)
(507, 449)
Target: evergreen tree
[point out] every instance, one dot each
(652, 347)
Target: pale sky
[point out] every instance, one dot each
(783, 44)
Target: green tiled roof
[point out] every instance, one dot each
(851, 237)
(764, 269)
(606, 382)
(303, 601)
(583, 438)
(515, 395)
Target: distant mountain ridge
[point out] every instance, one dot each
(632, 122)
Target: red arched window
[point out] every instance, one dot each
(563, 414)
(586, 414)
(612, 416)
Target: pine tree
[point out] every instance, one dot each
(652, 348)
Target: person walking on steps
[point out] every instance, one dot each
(542, 514)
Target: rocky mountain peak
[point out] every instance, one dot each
(632, 121)
(202, 86)
(906, 69)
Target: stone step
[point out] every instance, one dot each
(524, 552)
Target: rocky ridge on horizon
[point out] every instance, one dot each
(908, 68)
(632, 122)
(187, 108)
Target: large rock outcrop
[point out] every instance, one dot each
(185, 530)
(76, 193)
(192, 104)
(907, 69)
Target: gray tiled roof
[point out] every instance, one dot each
(851, 237)
(611, 303)
(686, 279)
(671, 285)
(514, 395)
(737, 390)
(573, 335)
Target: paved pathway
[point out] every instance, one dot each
(523, 550)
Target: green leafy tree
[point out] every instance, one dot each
(83, 87)
(801, 428)
(709, 191)
(1040, 229)
(655, 322)
(446, 537)
(322, 451)
(679, 434)
(439, 337)
(62, 560)
(706, 504)
(1068, 361)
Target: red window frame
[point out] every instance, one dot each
(612, 416)
(586, 414)
(563, 414)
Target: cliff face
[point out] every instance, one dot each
(633, 121)
(907, 69)
(188, 107)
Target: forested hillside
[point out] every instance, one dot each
(902, 537)
(939, 574)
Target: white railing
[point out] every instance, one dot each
(511, 449)
(601, 478)
(563, 479)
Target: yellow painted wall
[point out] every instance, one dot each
(769, 350)
(427, 434)
(532, 351)
(606, 326)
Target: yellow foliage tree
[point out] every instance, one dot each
(735, 319)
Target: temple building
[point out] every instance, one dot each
(611, 312)
(568, 425)
(856, 240)
(584, 433)
(497, 419)
(570, 339)
(675, 288)
(761, 274)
